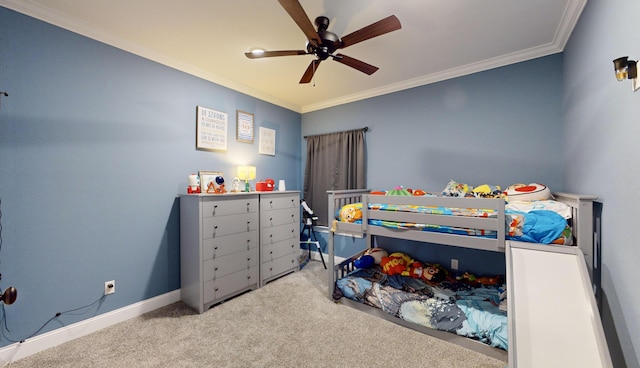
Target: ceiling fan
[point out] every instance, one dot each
(323, 44)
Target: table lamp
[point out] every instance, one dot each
(246, 173)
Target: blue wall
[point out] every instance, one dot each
(502, 126)
(95, 145)
(602, 118)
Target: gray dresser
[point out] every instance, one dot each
(231, 243)
(279, 234)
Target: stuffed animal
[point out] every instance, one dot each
(371, 257)
(396, 264)
(488, 191)
(484, 280)
(399, 191)
(351, 212)
(456, 189)
(428, 272)
(531, 192)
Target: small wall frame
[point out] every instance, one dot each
(244, 127)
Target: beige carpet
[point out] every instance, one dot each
(288, 323)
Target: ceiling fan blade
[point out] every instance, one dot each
(264, 54)
(386, 25)
(297, 13)
(311, 70)
(356, 64)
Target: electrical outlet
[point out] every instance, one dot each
(454, 264)
(109, 287)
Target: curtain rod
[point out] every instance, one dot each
(365, 129)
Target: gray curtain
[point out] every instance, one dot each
(335, 161)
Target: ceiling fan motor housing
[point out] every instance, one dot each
(329, 40)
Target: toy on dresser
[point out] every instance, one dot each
(194, 184)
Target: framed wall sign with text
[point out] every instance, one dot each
(211, 129)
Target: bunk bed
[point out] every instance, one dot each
(539, 315)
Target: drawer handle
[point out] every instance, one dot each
(215, 269)
(215, 248)
(292, 245)
(215, 289)
(271, 252)
(271, 235)
(270, 218)
(248, 277)
(248, 259)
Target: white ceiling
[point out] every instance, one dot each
(439, 39)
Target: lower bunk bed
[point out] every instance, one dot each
(491, 316)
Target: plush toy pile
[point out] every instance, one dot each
(401, 264)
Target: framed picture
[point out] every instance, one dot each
(267, 142)
(211, 129)
(211, 181)
(244, 127)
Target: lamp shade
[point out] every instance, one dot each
(621, 67)
(246, 172)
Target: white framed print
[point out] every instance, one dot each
(267, 143)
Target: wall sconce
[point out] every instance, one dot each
(246, 173)
(9, 296)
(627, 69)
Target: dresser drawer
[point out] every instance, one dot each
(280, 217)
(219, 267)
(274, 251)
(226, 225)
(221, 246)
(279, 201)
(279, 266)
(219, 206)
(224, 286)
(276, 234)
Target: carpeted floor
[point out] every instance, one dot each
(289, 322)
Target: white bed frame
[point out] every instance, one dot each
(576, 267)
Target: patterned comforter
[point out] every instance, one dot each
(450, 306)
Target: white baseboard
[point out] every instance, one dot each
(34, 345)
